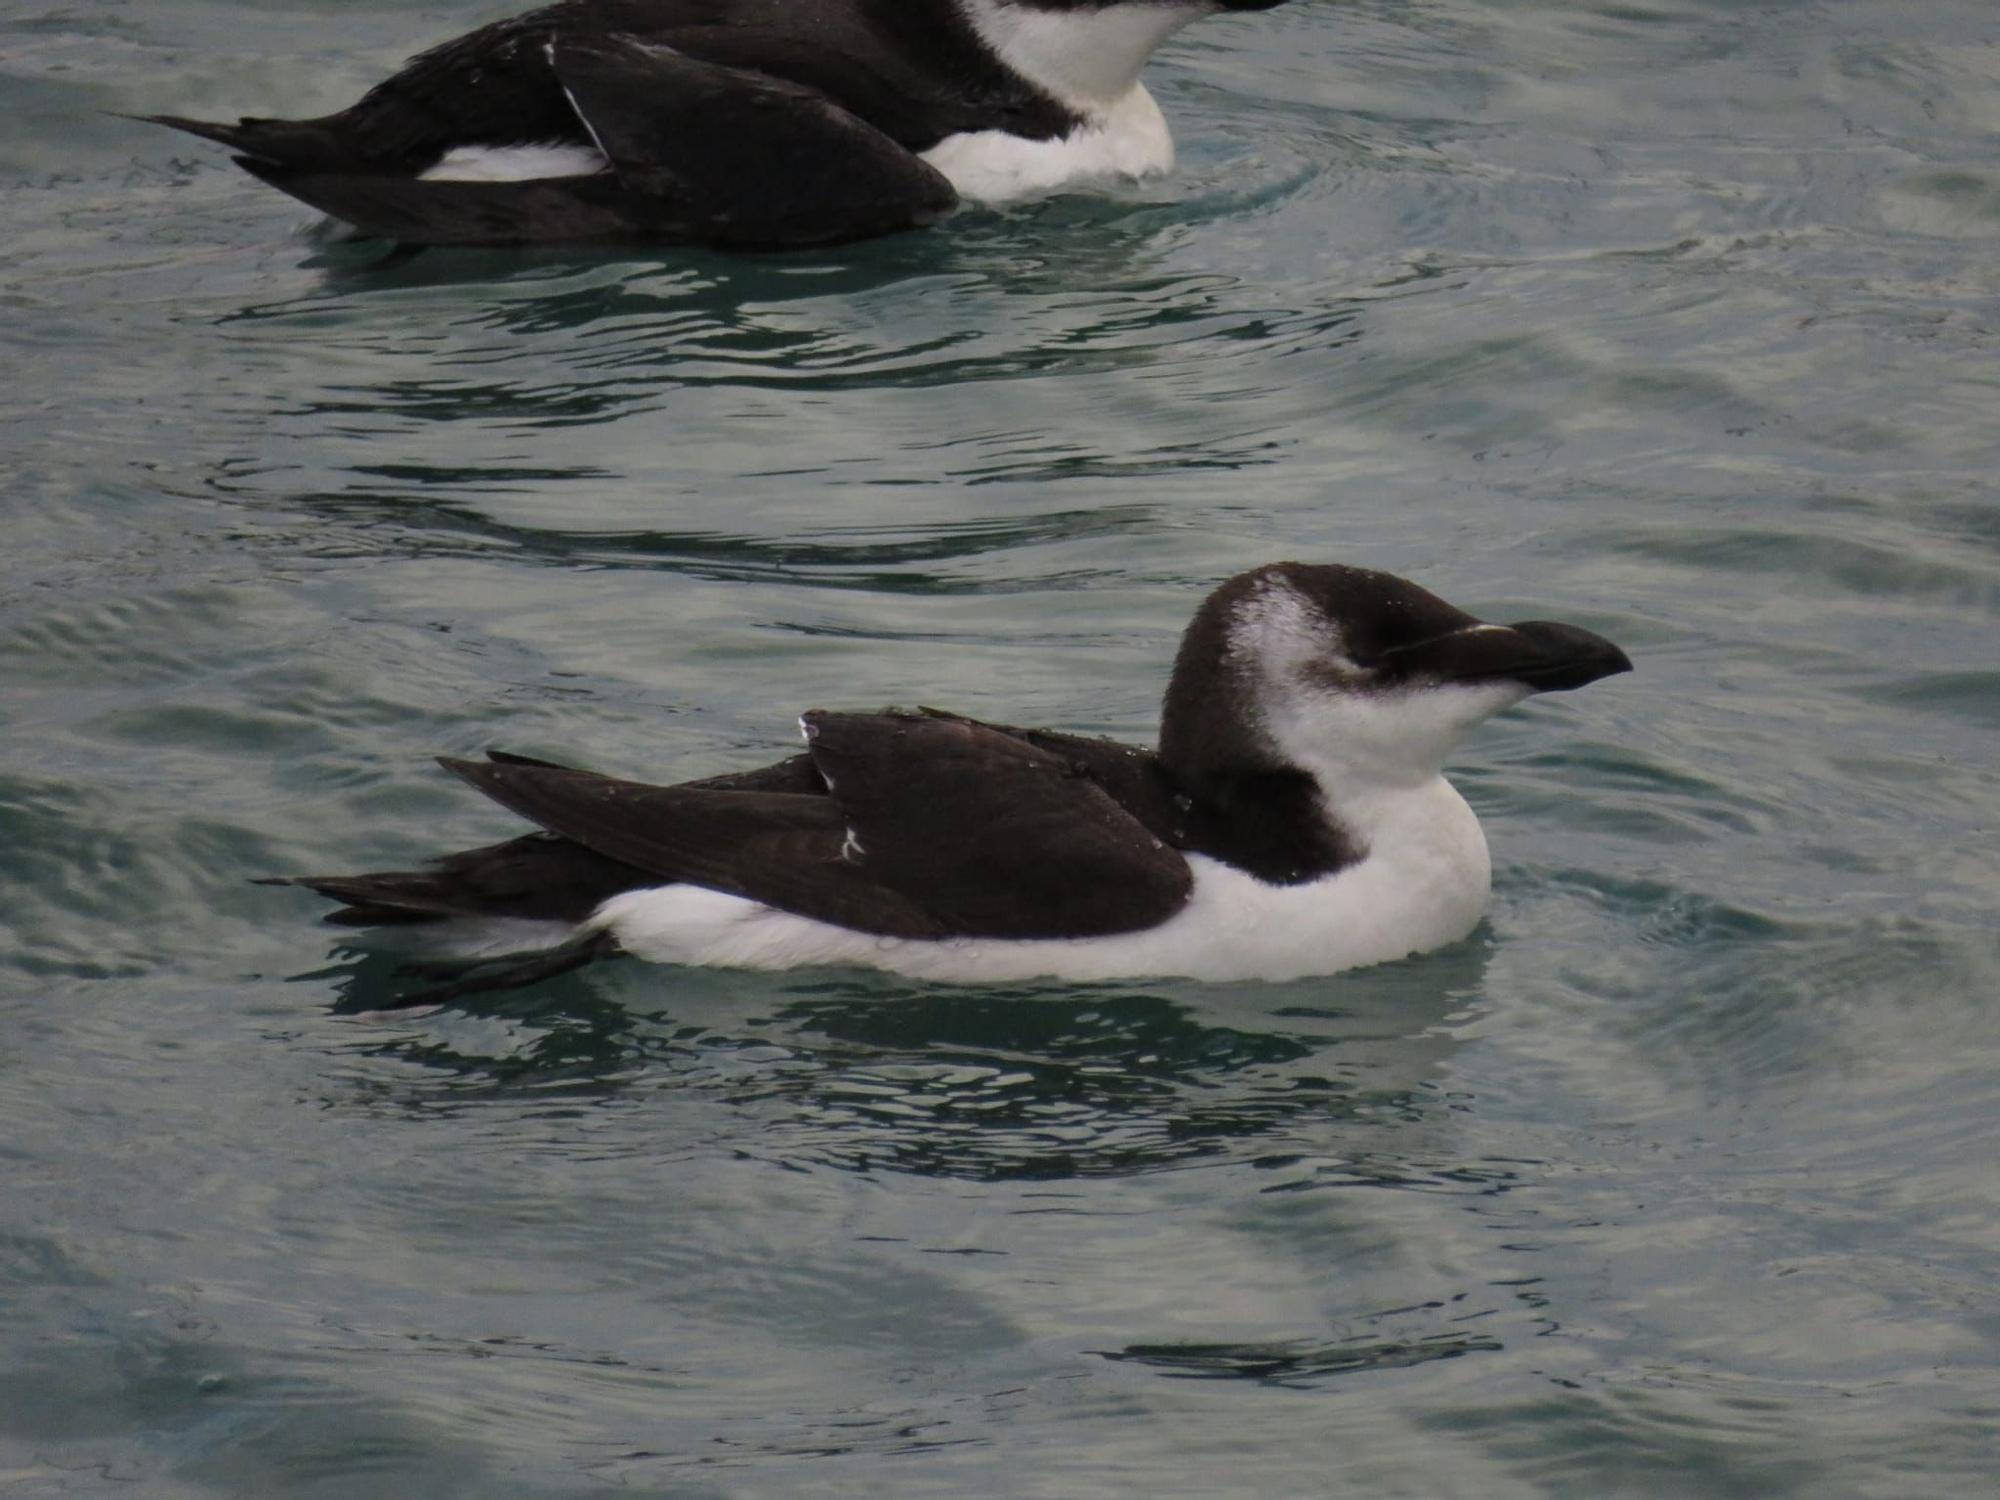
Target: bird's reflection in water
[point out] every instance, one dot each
(870, 1074)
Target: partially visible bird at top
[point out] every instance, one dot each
(734, 123)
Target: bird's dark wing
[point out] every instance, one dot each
(993, 835)
(699, 153)
(730, 155)
(795, 773)
(1131, 775)
(916, 72)
(492, 86)
(909, 825)
(539, 876)
(916, 825)
(782, 848)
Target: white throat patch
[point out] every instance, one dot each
(1360, 743)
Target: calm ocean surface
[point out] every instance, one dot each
(1677, 319)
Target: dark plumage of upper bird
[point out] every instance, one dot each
(743, 123)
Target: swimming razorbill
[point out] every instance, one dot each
(1293, 821)
(748, 123)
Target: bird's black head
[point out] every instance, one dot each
(1354, 675)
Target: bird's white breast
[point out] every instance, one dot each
(1423, 885)
(1127, 139)
(987, 166)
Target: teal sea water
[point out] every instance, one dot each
(1678, 319)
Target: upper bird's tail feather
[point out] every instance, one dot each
(209, 130)
(415, 211)
(535, 878)
(294, 145)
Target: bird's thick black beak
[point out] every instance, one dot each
(1545, 656)
(1559, 657)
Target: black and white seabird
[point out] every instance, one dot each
(1293, 821)
(746, 123)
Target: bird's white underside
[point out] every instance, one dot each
(1424, 886)
(515, 163)
(1131, 140)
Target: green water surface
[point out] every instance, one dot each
(1679, 320)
